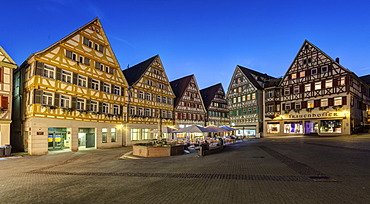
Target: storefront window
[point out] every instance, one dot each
(135, 134)
(331, 126)
(145, 134)
(293, 127)
(273, 128)
(113, 134)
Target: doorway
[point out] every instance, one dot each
(86, 137)
(58, 138)
(312, 127)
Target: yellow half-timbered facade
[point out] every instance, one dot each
(73, 94)
(150, 101)
(7, 65)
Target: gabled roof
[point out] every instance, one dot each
(134, 73)
(208, 94)
(272, 83)
(11, 62)
(179, 86)
(262, 78)
(366, 79)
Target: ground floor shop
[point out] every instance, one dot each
(138, 133)
(43, 135)
(250, 130)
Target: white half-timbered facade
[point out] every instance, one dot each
(320, 96)
(71, 94)
(150, 102)
(7, 65)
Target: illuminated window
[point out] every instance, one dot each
(239, 99)
(317, 85)
(338, 101)
(135, 134)
(310, 104)
(294, 76)
(307, 87)
(144, 134)
(234, 100)
(113, 134)
(329, 83)
(243, 98)
(302, 74)
(248, 97)
(324, 102)
(296, 89)
(342, 81)
(253, 96)
(104, 135)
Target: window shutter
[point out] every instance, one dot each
(101, 48)
(301, 88)
(4, 102)
(123, 91)
(312, 86)
(291, 90)
(112, 88)
(111, 70)
(347, 80)
(322, 84)
(68, 54)
(37, 96)
(74, 102)
(304, 104)
(335, 82)
(58, 73)
(74, 77)
(1, 75)
(283, 106)
(87, 61)
(89, 82)
(100, 107)
(101, 85)
(344, 100)
(120, 109)
(39, 68)
(86, 41)
(292, 106)
(317, 103)
(331, 101)
(308, 73)
(56, 99)
(97, 65)
(88, 102)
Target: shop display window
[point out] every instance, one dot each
(331, 126)
(273, 128)
(293, 127)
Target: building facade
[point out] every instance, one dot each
(245, 97)
(272, 109)
(7, 65)
(189, 107)
(216, 105)
(320, 96)
(150, 102)
(71, 95)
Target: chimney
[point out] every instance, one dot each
(337, 60)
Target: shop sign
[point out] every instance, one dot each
(316, 115)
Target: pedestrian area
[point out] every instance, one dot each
(268, 170)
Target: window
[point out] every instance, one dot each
(278, 107)
(49, 71)
(270, 108)
(310, 104)
(82, 81)
(106, 69)
(87, 42)
(253, 96)
(145, 134)
(81, 59)
(99, 47)
(169, 101)
(307, 87)
(106, 87)
(296, 89)
(148, 96)
(324, 69)
(338, 101)
(158, 98)
(314, 71)
(65, 101)
(239, 99)
(234, 100)
(294, 76)
(331, 126)
(135, 134)
(105, 108)
(71, 55)
(270, 94)
(132, 110)
(94, 106)
(302, 74)
(147, 112)
(95, 84)
(47, 98)
(117, 90)
(87, 61)
(140, 95)
(286, 91)
(169, 114)
(140, 111)
(116, 109)
(341, 81)
(164, 99)
(324, 102)
(239, 89)
(104, 135)
(66, 76)
(297, 106)
(113, 134)
(234, 90)
(243, 98)
(80, 105)
(329, 83)
(288, 106)
(318, 85)
(248, 97)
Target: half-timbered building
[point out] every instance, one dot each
(150, 102)
(245, 96)
(320, 96)
(189, 108)
(216, 105)
(7, 65)
(71, 94)
(272, 106)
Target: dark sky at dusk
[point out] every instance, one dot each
(202, 37)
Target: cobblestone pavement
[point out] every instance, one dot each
(267, 170)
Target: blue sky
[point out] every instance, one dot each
(203, 37)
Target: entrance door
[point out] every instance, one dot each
(311, 127)
(56, 140)
(86, 137)
(90, 140)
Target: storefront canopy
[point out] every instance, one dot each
(192, 129)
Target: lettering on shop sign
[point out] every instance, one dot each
(315, 115)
